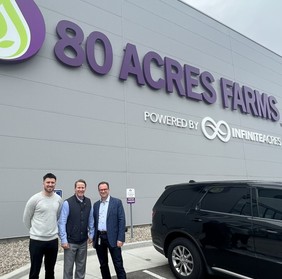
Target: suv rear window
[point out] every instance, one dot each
(181, 197)
(233, 200)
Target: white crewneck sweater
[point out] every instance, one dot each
(41, 215)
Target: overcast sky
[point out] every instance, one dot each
(260, 20)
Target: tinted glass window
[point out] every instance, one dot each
(234, 200)
(180, 198)
(270, 203)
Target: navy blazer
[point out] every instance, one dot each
(115, 221)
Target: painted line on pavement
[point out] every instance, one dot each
(154, 274)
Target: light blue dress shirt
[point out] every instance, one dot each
(103, 211)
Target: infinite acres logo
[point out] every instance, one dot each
(211, 129)
(22, 30)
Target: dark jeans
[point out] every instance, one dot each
(102, 253)
(38, 249)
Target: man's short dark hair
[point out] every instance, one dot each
(104, 182)
(49, 175)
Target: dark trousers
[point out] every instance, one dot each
(102, 253)
(38, 249)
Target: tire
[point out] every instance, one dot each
(184, 260)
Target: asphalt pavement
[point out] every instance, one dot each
(136, 256)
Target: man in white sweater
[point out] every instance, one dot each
(40, 217)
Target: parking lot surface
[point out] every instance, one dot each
(141, 260)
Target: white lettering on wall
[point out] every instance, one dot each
(212, 129)
(170, 120)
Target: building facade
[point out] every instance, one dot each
(141, 94)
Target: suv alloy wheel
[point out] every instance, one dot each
(184, 259)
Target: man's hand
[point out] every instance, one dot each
(65, 246)
(119, 243)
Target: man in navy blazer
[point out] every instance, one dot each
(109, 224)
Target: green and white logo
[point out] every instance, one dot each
(22, 30)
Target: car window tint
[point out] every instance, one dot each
(270, 203)
(180, 198)
(234, 200)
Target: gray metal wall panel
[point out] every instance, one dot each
(78, 124)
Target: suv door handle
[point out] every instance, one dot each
(197, 220)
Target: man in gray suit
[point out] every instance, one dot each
(109, 223)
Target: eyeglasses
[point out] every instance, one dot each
(103, 190)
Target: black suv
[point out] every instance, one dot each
(231, 228)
